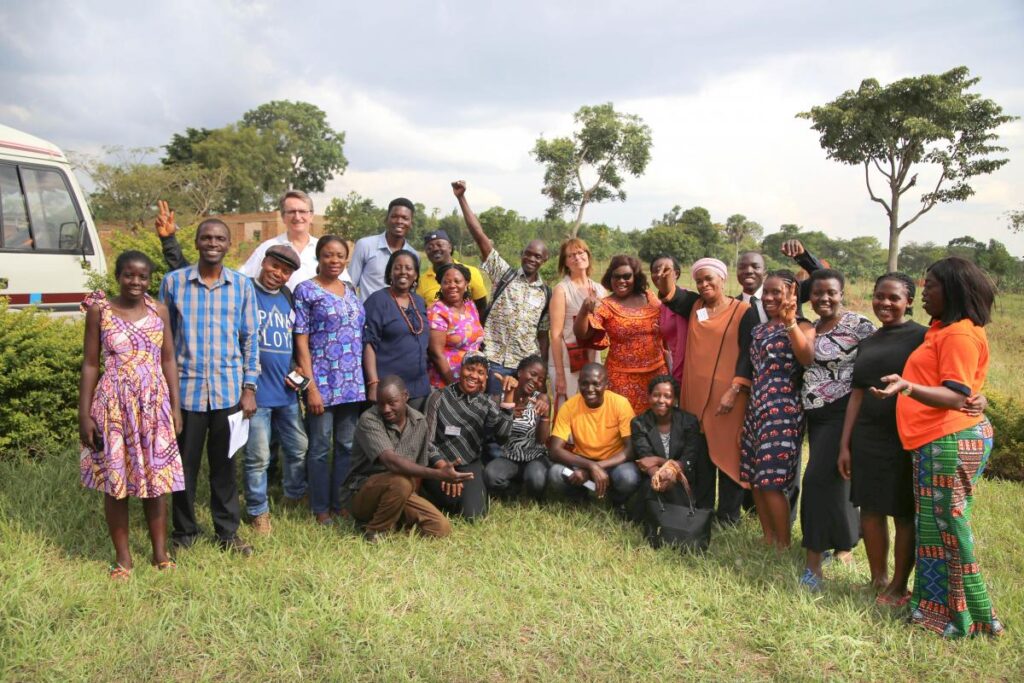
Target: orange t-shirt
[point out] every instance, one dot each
(951, 353)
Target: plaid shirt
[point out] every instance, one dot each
(216, 336)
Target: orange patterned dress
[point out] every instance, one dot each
(635, 350)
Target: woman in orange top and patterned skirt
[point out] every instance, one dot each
(950, 447)
(630, 318)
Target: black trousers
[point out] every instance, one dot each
(730, 494)
(473, 502)
(209, 429)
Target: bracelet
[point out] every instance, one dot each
(507, 406)
(372, 382)
(908, 391)
(791, 326)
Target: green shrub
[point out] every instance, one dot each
(1007, 460)
(40, 364)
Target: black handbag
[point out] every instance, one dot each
(679, 526)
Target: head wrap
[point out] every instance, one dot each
(712, 264)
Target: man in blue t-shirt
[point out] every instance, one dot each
(277, 414)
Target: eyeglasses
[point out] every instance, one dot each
(622, 276)
(297, 212)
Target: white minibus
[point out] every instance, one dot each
(48, 242)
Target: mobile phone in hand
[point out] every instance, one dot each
(298, 381)
(588, 484)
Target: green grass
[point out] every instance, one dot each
(532, 592)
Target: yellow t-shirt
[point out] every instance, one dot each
(598, 433)
(429, 286)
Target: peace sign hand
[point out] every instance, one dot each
(165, 226)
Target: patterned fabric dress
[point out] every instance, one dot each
(465, 334)
(132, 410)
(335, 328)
(949, 591)
(635, 346)
(773, 427)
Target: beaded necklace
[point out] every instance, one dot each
(405, 317)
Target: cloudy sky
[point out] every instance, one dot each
(432, 91)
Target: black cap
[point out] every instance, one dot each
(437, 235)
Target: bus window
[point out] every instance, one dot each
(13, 214)
(55, 220)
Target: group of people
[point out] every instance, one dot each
(394, 396)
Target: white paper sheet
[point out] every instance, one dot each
(239, 432)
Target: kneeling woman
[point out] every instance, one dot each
(460, 418)
(524, 457)
(665, 443)
(773, 427)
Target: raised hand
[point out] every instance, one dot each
(793, 248)
(787, 308)
(459, 188)
(165, 226)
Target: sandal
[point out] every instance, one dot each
(166, 564)
(890, 600)
(119, 573)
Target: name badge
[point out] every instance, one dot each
(702, 315)
(451, 430)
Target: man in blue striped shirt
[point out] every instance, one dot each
(213, 319)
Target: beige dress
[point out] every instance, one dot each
(573, 302)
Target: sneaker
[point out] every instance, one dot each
(236, 545)
(810, 581)
(261, 524)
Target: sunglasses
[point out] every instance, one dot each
(622, 276)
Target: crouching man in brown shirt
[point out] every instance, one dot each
(390, 453)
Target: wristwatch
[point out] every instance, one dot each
(249, 385)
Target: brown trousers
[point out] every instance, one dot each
(388, 500)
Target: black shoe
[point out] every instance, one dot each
(184, 542)
(236, 545)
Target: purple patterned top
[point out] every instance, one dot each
(335, 328)
(829, 378)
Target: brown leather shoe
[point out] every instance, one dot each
(236, 545)
(261, 524)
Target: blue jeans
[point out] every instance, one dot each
(285, 424)
(624, 479)
(335, 427)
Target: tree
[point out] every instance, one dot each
(255, 171)
(738, 229)
(353, 217)
(127, 188)
(665, 239)
(607, 145)
(929, 119)
(313, 149)
(1016, 220)
(180, 149)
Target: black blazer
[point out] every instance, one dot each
(683, 439)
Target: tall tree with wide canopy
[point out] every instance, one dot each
(589, 166)
(303, 136)
(891, 130)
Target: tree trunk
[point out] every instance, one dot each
(575, 227)
(894, 232)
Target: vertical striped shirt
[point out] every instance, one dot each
(216, 336)
(460, 422)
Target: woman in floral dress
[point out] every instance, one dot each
(128, 417)
(455, 329)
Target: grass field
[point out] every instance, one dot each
(531, 593)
